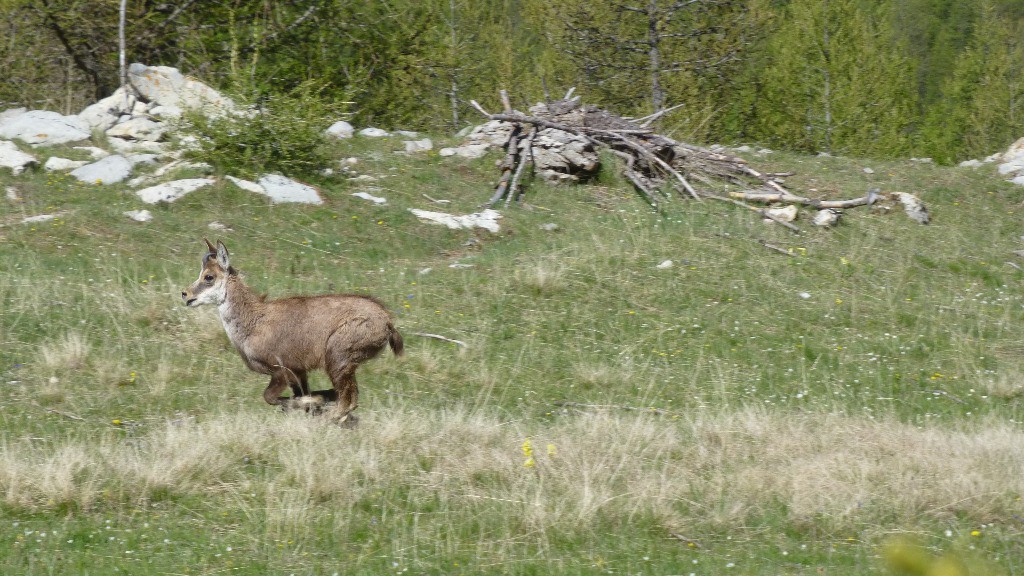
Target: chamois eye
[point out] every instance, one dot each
(208, 278)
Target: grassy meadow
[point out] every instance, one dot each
(743, 411)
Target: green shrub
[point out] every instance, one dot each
(281, 133)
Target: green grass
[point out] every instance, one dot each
(752, 412)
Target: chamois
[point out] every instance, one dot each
(288, 337)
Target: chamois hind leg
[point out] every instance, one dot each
(343, 376)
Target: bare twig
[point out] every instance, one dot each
(67, 415)
(760, 211)
(648, 120)
(688, 541)
(442, 338)
(775, 248)
(567, 404)
(525, 157)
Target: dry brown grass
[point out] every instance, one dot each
(723, 469)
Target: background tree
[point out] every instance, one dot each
(638, 57)
(831, 77)
(982, 105)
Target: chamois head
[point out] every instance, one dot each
(211, 286)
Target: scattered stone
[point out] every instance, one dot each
(126, 147)
(487, 219)
(560, 156)
(970, 164)
(12, 194)
(148, 159)
(374, 133)
(94, 152)
(868, 170)
(171, 191)
(665, 265)
(12, 112)
(787, 214)
(108, 170)
(12, 157)
(366, 196)
(922, 160)
(39, 218)
(418, 145)
(57, 164)
(549, 227)
(215, 225)
(247, 185)
(283, 189)
(105, 113)
(827, 217)
(407, 133)
(45, 128)
(1019, 180)
(805, 295)
(341, 129)
(166, 86)
(1013, 166)
(138, 128)
(913, 206)
(470, 151)
(1015, 151)
(139, 215)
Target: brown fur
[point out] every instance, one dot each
(288, 337)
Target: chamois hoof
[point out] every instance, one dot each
(348, 421)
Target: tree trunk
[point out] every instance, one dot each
(654, 56)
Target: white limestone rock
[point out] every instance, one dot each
(12, 157)
(57, 164)
(247, 185)
(418, 145)
(139, 215)
(374, 133)
(44, 128)
(138, 128)
(470, 151)
(105, 113)
(108, 170)
(171, 191)
(341, 130)
(166, 86)
(487, 219)
(367, 196)
(283, 189)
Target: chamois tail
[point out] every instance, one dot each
(395, 340)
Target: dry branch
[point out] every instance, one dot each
(652, 163)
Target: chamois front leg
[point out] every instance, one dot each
(299, 385)
(279, 380)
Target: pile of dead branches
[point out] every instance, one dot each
(657, 166)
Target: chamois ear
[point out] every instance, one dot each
(222, 256)
(211, 252)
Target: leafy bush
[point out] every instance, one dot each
(281, 133)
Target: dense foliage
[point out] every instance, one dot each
(941, 78)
